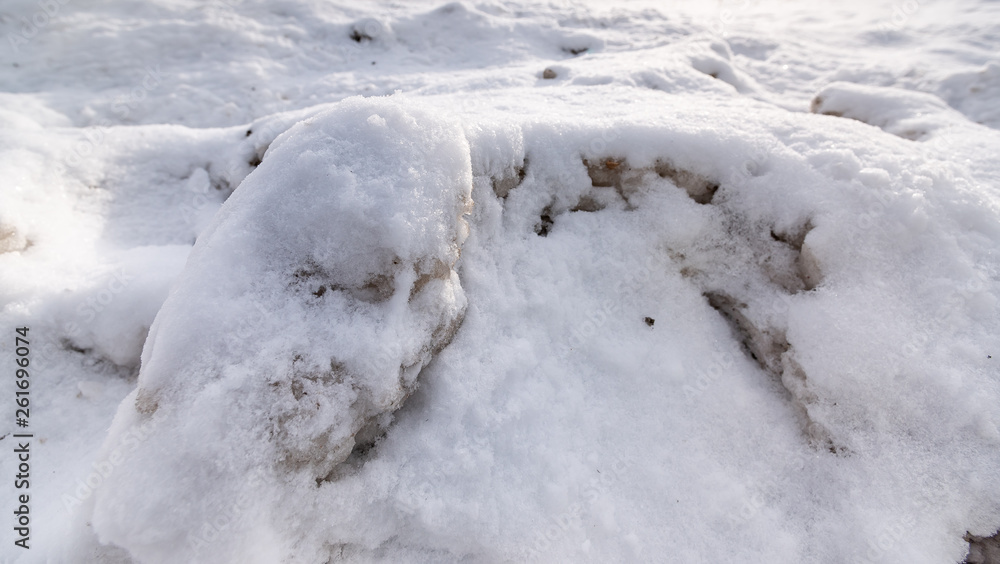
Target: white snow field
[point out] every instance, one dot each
(501, 282)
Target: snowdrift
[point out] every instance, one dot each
(562, 284)
(677, 321)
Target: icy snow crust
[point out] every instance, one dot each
(653, 309)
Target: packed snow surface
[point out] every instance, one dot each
(503, 282)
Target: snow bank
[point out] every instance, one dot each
(678, 321)
(329, 276)
(699, 323)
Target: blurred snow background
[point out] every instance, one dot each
(726, 288)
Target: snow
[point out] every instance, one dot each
(315, 282)
(360, 286)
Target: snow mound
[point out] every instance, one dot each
(299, 325)
(975, 92)
(703, 324)
(907, 114)
(678, 321)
